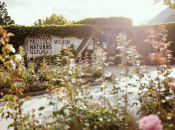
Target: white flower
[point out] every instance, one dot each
(73, 80)
(70, 72)
(102, 86)
(72, 59)
(169, 117)
(11, 61)
(100, 119)
(12, 48)
(18, 56)
(13, 64)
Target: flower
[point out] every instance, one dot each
(151, 122)
(18, 56)
(13, 64)
(95, 104)
(12, 48)
(61, 91)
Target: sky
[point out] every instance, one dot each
(25, 12)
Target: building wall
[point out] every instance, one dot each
(37, 45)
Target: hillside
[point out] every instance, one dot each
(164, 16)
(171, 18)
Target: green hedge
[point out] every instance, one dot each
(79, 29)
(171, 32)
(20, 31)
(121, 21)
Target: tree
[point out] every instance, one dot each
(170, 3)
(53, 19)
(4, 18)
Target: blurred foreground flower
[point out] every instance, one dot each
(151, 122)
(61, 91)
(95, 104)
(18, 56)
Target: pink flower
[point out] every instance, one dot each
(61, 91)
(95, 104)
(151, 122)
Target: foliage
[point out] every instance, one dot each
(73, 101)
(71, 30)
(78, 29)
(107, 20)
(52, 20)
(159, 98)
(169, 27)
(76, 113)
(21, 32)
(170, 3)
(4, 18)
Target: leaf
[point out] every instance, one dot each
(55, 113)
(134, 85)
(87, 74)
(150, 91)
(1, 58)
(130, 76)
(1, 110)
(151, 82)
(27, 98)
(91, 112)
(41, 108)
(73, 76)
(39, 114)
(171, 86)
(7, 39)
(120, 64)
(169, 67)
(20, 103)
(2, 115)
(169, 79)
(51, 103)
(97, 68)
(104, 111)
(118, 55)
(139, 93)
(10, 34)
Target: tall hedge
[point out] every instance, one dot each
(79, 29)
(20, 31)
(120, 21)
(82, 28)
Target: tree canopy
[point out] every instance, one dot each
(4, 18)
(52, 20)
(170, 3)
